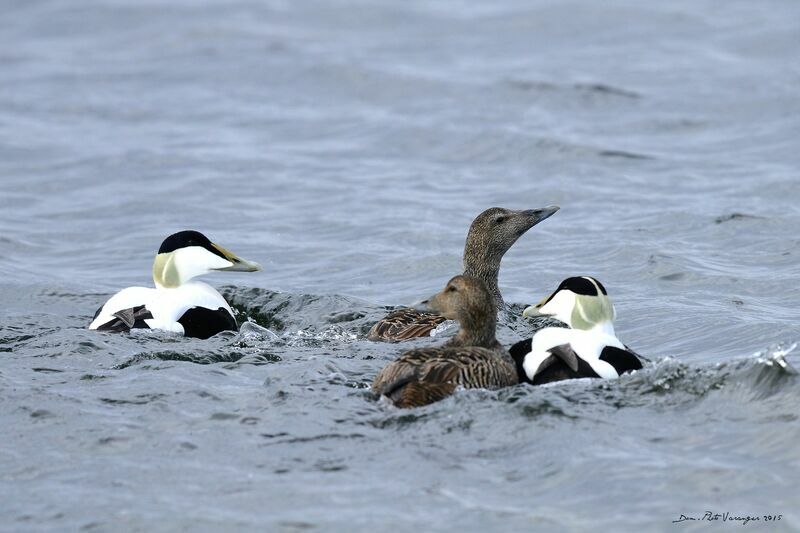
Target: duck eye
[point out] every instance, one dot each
(500, 219)
(451, 289)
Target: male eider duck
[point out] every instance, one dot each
(490, 236)
(588, 348)
(178, 303)
(472, 358)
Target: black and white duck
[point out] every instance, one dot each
(588, 347)
(178, 303)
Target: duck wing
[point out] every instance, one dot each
(423, 376)
(404, 324)
(563, 363)
(558, 363)
(134, 317)
(402, 370)
(481, 368)
(127, 309)
(126, 319)
(566, 354)
(402, 379)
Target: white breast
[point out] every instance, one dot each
(169, 305)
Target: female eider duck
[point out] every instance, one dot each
(490, 236)
(472, 358)
(178, 303)
(588, 348)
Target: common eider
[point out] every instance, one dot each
(472, 358)
(490, 236)
(178, 303)
(587, 348)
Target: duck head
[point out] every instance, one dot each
(580, 302)
(188, 254)
(495, 230)
(467, 300)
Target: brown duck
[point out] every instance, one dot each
(472, 358)
(490, 236)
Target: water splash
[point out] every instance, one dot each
(776, 355)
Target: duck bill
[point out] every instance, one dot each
(239, 264)
(428, 305)
(536, 310)
(532, 312)
(534, 216)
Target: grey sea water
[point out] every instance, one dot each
(347, 146)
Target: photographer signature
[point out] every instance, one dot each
(711, 516)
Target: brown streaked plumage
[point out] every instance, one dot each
(404, 324)
(472, 358)
(490, 236)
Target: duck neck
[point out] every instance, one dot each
(601, 328)
(476, 330)
(604, 327)
(486, 269)
(165, 272)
